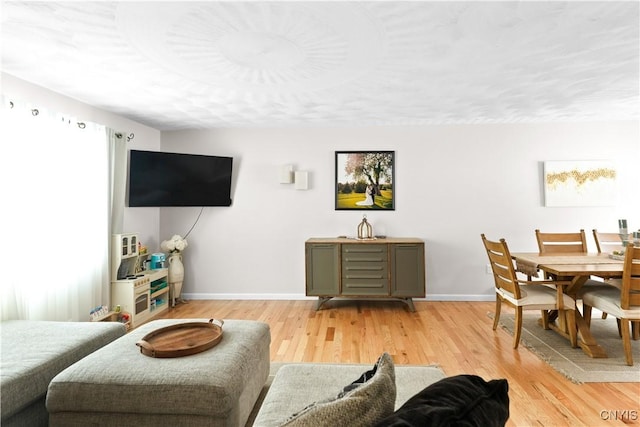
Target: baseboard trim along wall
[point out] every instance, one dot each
(296, 297)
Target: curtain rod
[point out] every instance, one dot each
(81, 125)
(129, 137)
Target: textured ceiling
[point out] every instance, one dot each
(197, 65)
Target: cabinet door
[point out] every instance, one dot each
(365, 270)
(322, 265)
(407, 270)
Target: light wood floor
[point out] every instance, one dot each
(457, 336)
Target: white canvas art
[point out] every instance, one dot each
(580, 183)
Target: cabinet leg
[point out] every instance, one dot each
(409, 302)
(322, 300)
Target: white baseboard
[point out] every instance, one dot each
(297, 297)
(287, 297)
(455, 297)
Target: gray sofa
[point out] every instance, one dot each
(33, 352)
(313, 395)
(296, 386)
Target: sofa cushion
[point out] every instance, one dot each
(363, 402)
(462, 400)
(33, 352)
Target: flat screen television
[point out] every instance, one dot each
(173, 179)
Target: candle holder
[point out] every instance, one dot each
(365, 231)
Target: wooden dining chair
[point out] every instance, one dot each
(566, 243)
(559, 243)
(607, 242)
(526, 294)
(622, 303)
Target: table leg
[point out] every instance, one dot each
(586, 341)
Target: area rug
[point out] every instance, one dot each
(573, 363)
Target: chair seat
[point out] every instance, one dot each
(617, 282)
(593, 285)
(608, 301)
(537, 297)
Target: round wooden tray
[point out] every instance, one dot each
(182, 339)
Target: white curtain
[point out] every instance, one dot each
(117, 178)
(56, 209)
(117, 186)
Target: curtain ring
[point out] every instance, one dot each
(130, 137)
(81, 125)
(35, 112)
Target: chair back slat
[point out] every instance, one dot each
(561, 242)
(607, 242)
(504, 273)
(630, 294)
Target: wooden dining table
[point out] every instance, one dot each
(576, 268)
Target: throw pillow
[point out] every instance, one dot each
(463, 400)
(362, 403)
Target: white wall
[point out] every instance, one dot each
(446, 180)
(452, 183)
(144, 221)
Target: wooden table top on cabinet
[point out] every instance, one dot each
(379, 240)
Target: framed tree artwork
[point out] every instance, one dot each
(365, 180)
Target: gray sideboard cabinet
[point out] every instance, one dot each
(379, 268)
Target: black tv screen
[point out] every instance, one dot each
(172, 179)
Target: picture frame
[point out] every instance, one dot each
(574, 183)
(364, 180)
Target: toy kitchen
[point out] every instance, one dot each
(139, 285)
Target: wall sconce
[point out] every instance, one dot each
(286, 174)
(301, 180)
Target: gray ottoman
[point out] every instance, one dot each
(119, 386)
